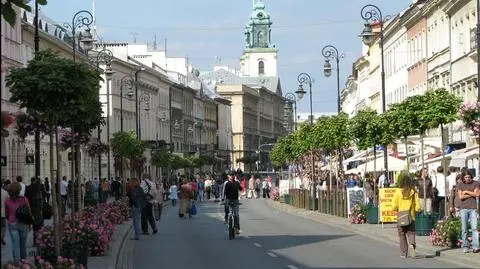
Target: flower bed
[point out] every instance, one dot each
(359, 214)
(447, 233)
(92, 231)
(275, 194)
(62, 263)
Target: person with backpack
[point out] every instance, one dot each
(19, 219)
(150, 191)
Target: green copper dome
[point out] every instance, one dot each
(258, 29)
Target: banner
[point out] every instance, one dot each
(283, 187)
(385, 196)
(355, 196)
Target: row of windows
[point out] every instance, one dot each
(397, 96)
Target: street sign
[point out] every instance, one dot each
(29, 159)
(4, 160)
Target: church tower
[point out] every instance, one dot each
(259, 57)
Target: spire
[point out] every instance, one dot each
(258, 29)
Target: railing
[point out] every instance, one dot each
(327, 202)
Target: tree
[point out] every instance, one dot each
(8, 9)
(441, 108)
(161, 158)
(68, 98)
(126, 145)
(57, 91)
(359, 127)
(283, 152)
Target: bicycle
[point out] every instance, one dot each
(232, 211)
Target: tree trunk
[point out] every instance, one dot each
(424, 179)
(444, 165)
(375, 182)
(56, 212)
(406, 152)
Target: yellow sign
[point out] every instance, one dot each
(385, 195)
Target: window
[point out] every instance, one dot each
(261, 68)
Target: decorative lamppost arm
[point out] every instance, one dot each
(331, 52)
(304, 78)
(80, 19)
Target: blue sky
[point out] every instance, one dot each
(210, 29)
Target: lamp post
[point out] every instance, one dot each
(82, 18)
(137, 104)
(304, 78)
(143, 98)
(291, 99)
(331, 53)
(173, 124)
(105, 56)
(373, 14)
(128, 80)
(36, 41)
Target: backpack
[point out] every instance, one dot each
(24, 214)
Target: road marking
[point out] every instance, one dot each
(271, 255)
(292, 266)
(257, 245)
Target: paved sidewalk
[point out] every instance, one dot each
(386, 233)
(120, 232)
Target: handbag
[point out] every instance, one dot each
(193, 210)
(404, 218)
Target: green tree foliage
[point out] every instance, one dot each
(161, 158)
(58, 90)
(361, 129)
(126, 145)
(8, 9)
(335, 132)
(283, 152)
(441, 108)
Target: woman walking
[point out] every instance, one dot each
(16, 206)
(159, 201)
(407, 203)
(137, 201)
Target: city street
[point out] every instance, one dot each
(270, 239)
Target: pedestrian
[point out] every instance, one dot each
(468, 192)
(440, 192)
(173, 194)
(4, 218)
(34, 193)
(407, 203)
(159, 201)
(208, 187)
(201, 190)
(251, 187)
(149, 190)
(425, 190)
(48, 190)
(258, 186)
(454, 200)
(16, 206)
(138, 201)
(186, 197)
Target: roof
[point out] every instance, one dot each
(223, 76)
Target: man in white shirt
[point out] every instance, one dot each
(24, 187)
(3, 219)
(64, 193)
(451, 179)
(438, 181)
(150, 189)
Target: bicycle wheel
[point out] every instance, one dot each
(231, 229)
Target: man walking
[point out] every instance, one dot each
(149, 189)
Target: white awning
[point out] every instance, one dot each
(394, 164)
(357, 157)
(460, 160)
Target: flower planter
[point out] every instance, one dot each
(286, 199)
(423, 224)
(372, 214)
(81, 256)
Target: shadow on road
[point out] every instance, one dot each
(276, 242)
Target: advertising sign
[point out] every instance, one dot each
(385, 196)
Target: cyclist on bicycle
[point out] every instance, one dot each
(231, 194)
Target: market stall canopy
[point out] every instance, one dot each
(394, 164)
(460, 159)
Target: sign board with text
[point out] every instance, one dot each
(385, 196)
(355, 196)
(283, 187)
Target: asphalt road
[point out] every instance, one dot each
(270, 239)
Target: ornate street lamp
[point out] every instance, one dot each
(128, 80)
(373, 15)
(291, 99)
(82, 18)
(304, 78)
(105, 56)
(330, 52)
